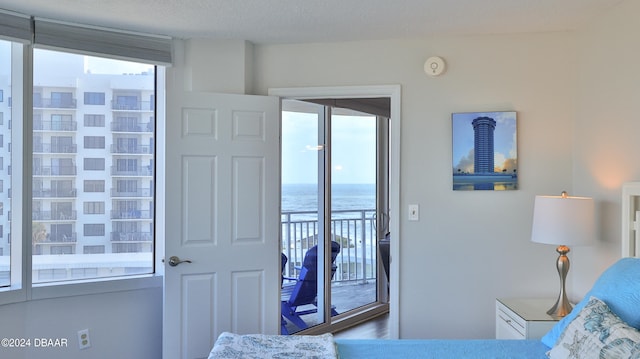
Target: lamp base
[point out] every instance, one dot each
(562, 306)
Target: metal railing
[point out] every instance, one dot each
(354, 230)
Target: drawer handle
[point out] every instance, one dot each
(509, 321)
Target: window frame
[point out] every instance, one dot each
(22, 288)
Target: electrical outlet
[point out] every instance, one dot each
(83, 339)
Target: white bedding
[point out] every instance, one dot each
(254, 346)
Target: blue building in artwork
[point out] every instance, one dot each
(483, 128)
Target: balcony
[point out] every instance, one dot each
(354, 282)
(353, 229)
(131, 214)
(55, 171)
(133, 106)
(61, 238)
(55, 193)
(131, 127)
(140, 192)
(55, 125)
(131, 236)
(55, 148)
(54, 215)
(141, 171)
(136, 150)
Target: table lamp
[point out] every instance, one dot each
(563, 221)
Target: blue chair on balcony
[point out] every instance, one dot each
(304, 291)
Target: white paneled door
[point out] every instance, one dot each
(222, 220)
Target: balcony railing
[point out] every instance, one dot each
(140, 192)
(133, 106)
(353, 229)
(54, 215)
(55, 125)
(131, 127)
(131, 237)
(55, 171)
(55, 193)
(131, 214)
(140, 171)
(54, 148)
(139, 149)
(60, 238)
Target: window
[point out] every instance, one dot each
(94, 185)
(94, 164)
(63, 220)
(93, 249)
(62, 100)
(94, 208)
(96, 229)
(94, 142)
(94, 98)
(75, 221)
(91, 120)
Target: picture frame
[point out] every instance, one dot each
(485, 151)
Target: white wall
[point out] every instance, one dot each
(468, 247)
(124, 324)
(607, 126)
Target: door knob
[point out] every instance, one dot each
(174, 261)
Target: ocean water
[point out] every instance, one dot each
(304, 197)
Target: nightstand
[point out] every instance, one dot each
(518, 318)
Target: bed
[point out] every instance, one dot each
(604, 324)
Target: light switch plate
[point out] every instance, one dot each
(414, 212)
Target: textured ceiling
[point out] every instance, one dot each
(297, 21)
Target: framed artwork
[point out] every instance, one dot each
(485, 152)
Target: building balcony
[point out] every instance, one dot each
(54, 215)
(136, 150)
(55, 126)
(131, 127)
(61, 238)
(131, 214)
(55, 193)
(54, 148)
(140, 192)
(131, 237)
(55, 171)
(142, 171)
(133, 106)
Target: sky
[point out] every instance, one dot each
(505, 143)
(354, 148)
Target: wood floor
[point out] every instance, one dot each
(377, 328)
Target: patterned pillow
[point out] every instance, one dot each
(597, 333)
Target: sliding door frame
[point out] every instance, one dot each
(393, 93)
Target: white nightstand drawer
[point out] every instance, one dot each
(523, 318)
(509, 326)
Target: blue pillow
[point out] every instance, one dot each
(618, 287)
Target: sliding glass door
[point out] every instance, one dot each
(334, 207)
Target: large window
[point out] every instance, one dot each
(67, 214)
(77, 226)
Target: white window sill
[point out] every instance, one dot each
(68, 289)
(76, 288)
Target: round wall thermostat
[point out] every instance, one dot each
(434, 66)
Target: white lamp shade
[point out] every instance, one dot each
(563, 220)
